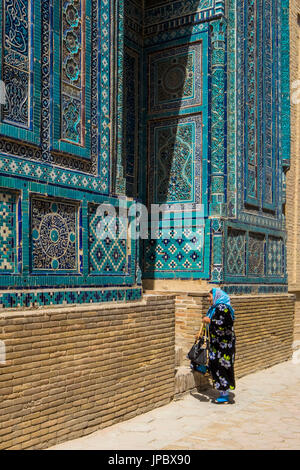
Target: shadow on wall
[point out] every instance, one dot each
(168, 136)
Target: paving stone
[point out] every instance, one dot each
(254, 422)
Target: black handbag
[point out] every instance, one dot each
(198, 354)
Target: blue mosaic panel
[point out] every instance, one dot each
(218, 98)
(254, 257)
(275, 256)
(177, 139)
(133, 21)
(175, 147)
(131, 120)
(269, 94)
(8, 232)
(235, 247)
(107, 253)
(104, 95)
(268, 22)
(176, 256)
(259, 98)
(255, 289)
(256, 254)
(54, 235)
(284, 117)
(17, 61)
(73, 80)
(20, 69)
(176, 78)
(170, 14)
(67, 297)
(251, 96)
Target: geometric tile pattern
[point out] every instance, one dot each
(218, 142)
(259, 98)
(268, 95)
(176, 77)
(46, 173)
(175, 147)
(20, 70)
(131, 120)
(275, 256)
(251, 116)
(255, 257)
(236, 245)
(240, 289)
(103, 90)
(54, 229)
(107, 251)
(173, 253)
(73, 93)
(174, 167)
(256, 254)
(73, 80)
(67, 296)
(17, 61)
(217, 232)
(162, 15)
(258, 101)
(177, 126)
(8, 232)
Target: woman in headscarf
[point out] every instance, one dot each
(220, 318)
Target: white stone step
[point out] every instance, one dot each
(186, 380)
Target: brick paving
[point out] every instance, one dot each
(263, 414)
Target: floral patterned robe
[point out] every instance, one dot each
(222, 349)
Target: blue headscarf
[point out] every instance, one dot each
(220, 297)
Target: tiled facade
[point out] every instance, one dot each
(170, 102)
(223, 65)
(293, 180)
(57, 142)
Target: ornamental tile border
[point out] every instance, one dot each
(67, 296)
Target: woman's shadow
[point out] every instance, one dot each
(205, 393)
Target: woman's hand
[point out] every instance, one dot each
(206, 320)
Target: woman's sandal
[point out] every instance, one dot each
(222, 400)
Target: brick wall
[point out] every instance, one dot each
(297, 322)
(71, 371)
(264, 330)
(293, 175)
(263, 326)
